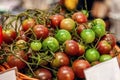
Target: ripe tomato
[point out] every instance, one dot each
(71, 47)
(104, 47)
(81, 50)
(88, 35)
(56, 19)
(65, 73)
(28, 23)
(105, 57)
(1, 35)
(92, 55)
(79, 66)
(40, 31)
(80, 28)
(43, 74)
(79, 17)
(9, 35)
(36, 45)
(61, 59)
(21, 44)
(50, 43)
(67, 24)
(99, 21)
(63, 35)
(14, 61)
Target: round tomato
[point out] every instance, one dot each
(21, 43)
(43, 74)
(36, 45)
(99, 21)
(65, 73)
(88, 35)
(92, 55)
(79, 66)
(67, 24)
(81, 50)
(40, 31)
(80, 28)
(63, 35)
(105, 57)
(50, 43)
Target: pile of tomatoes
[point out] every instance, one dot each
(56, 46)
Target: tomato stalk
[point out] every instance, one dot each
(1, 36)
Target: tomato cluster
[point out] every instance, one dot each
(61, 47)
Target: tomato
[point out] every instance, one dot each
(40, 31)
(50, 43)
(9, 35)
(95, 63)
(80, 28)
(21, 44)
(14, 61)
(67, 24)
(79, 17)
(92, 55)
(1, 35)
(104, 47)
(88, 35)
(71, 47)
(105, 57)
(110, 38)
(79, 66)
(43, 74)
(99, 21)
(21, 35)
(56, 19)
(36, 45)
(99, 30)
(28, 23)
(81, 50)
(61, 59)
(65, 73)
(63, 35)
(85, 12)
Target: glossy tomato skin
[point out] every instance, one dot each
(79, 66)
(99, 21)
(61, 59)
(21, 44)
(43, 74)
(81, 50)
(71, 47)
(79, 17)
(40, 31)
(80, 28)
(28, 23)
(105, 57)
(9, 35)
(104, 47)
(67, 24)
(14, 61)
(36, 45)
(65, 73)
(56, 19)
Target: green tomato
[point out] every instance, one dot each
(105, 57)
(99, 21)
(88, 35)
(36, 45)
(92, 55)
(63, 35)
(50, 43)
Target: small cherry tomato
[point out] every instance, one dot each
(36, 45)
(105, 57)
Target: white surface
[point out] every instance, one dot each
(108, 70)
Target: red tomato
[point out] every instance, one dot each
(65, 73)
(81, 50)
(80, 28)
(40, 31)
(71, 47)
(14, 61)
(79, 66)
(9, 35)
(27, 23)
(79, 17)
(43, 74)
(1, 35)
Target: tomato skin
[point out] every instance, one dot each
(40, 31)
(56, 19)
(1, 35)
(105, 57)
(22, 36)
(14, 61)
(28, 23)
(80, 28)
(61, 59)
(65, 73)
(79, 17)
(99, 21)
(71, 47)
(67, 24)
(104, 47)
(92, 55)
(43, 74)
(36, 45)
(79, 66)
(81, 50)
(63, 35)
(50, 43)
(88, 35)
(9, 35)
(21, 44)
